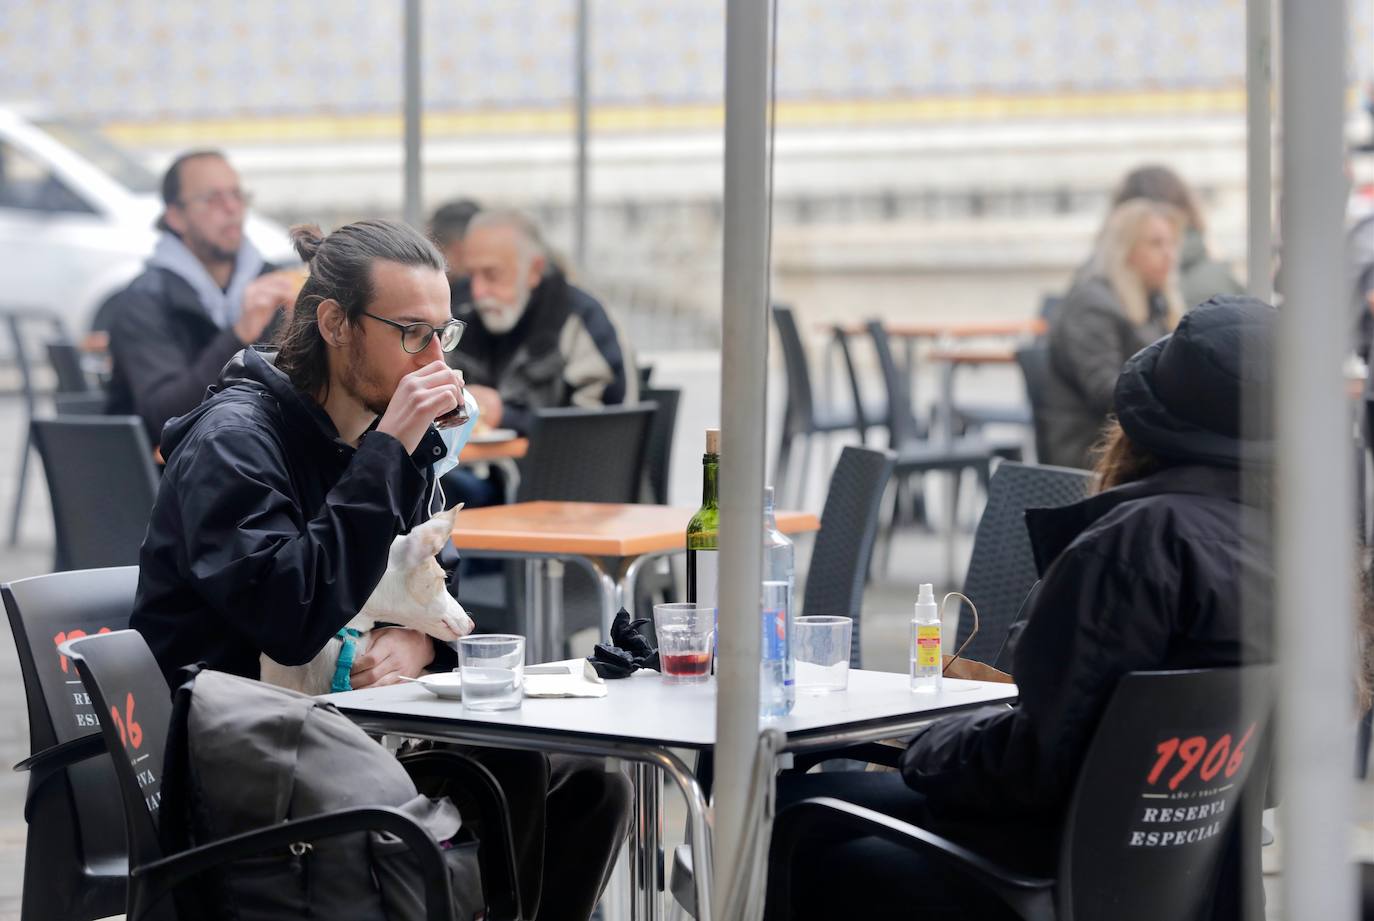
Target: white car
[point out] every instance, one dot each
(76, 218)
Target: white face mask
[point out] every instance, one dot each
(457, 437)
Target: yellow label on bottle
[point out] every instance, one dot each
(927, 645)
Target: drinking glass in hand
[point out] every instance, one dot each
(493, 669)
(684, 641)
(821, 646)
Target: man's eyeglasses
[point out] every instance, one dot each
(219, 198)
(415, 336)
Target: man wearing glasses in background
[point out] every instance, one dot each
(205, 293)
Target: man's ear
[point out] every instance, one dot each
(173, 217)
(536, 271)
(332, 322)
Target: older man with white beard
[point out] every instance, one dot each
(533, 341)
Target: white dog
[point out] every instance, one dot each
(412, 594)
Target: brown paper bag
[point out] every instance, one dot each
(974, 671)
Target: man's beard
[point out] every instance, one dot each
(500, 317)
(206, 249)
(362, 384)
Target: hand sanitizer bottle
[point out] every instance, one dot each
(925, 642)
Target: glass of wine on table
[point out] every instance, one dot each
(684, 641)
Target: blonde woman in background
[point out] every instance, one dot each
(1128, 298)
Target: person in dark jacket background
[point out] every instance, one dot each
(1127, 299)
(282, 495)
(205, 294)
(1147, 574)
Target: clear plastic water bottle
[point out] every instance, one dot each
(777, 681)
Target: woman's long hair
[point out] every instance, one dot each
(1119, 460)
(1111, 260)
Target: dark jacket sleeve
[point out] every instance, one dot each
(285, 584)
(1087, 350)
(166, 380)
(1094, 620)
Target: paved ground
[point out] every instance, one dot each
(917, 557)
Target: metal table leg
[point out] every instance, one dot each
(534, 610)
(554, 634)
(647, 831)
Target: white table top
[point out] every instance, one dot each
(642, 709)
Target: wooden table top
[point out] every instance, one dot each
(988, 356)
(588, 528)
(510, 449)
(1033, 326)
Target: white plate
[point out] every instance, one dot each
(493, 436)
(448, 685)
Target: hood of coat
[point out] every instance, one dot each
(1202, 394)
(251, 377)
(1052, 530)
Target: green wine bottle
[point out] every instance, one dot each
(703, 557)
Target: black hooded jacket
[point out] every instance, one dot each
(269, 532)
(1149, 575)
(165, 348)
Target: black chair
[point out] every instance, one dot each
(75, 859)
(102, 481)
(1034, 360)
(803, 417)
(586, 455)
(1131, 779)
(915, 454)
(79, 404)
(843, 547)
(120, 675)
(1001, 568)
(65, 359)
(659, 449)
(658, 582)
(21, 322)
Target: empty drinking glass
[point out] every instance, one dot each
(493, 670)
(684, 641)
(821, 646)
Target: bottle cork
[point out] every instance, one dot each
(713, 441)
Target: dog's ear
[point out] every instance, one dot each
(426, 540)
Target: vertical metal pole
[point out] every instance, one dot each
(744, 378)
(411, 67)
(744, 382)
(1314, 512)
(583, 91)
(1259, 75)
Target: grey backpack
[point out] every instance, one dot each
(243, 755)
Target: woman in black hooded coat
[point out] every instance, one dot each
(1147, 574)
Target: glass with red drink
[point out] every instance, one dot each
(685, 632)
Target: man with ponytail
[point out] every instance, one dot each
(284, 490)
